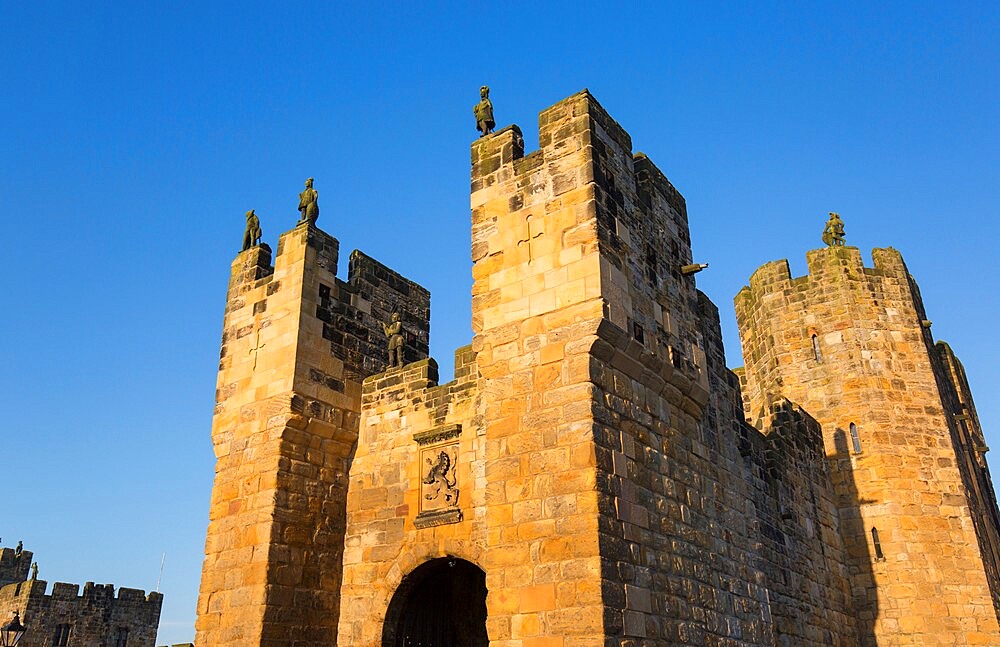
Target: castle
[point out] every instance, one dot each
(96, 617)
(594, 475)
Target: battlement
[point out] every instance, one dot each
(416, 384)
(92, 593)
(347, 315)
(825, 265)
(580, 224)
(297, 343)
(852, 344)
(589, 476)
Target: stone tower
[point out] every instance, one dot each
(852, 345)
(297, 342)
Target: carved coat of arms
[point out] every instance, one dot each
(439, 479)
(439, 491)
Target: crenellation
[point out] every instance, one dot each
(249, 267)
(93, 616)
(63, 590)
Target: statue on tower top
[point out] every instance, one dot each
(484, 112)
(308, 204)
(252, 233)
(833, 233)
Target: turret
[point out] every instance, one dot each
(852, 346)
(297, 342)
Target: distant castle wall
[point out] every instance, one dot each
(94, 617)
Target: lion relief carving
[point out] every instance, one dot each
(440, 480)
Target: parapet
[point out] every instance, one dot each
(351, 312)
(564, 129)
(582, 222)
(825, 265)
(67, 592)
(418, 381)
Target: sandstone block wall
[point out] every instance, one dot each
(847, 343)
(94, 617)
(537, 305)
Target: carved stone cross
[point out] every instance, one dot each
(527, 241)
(256, 349)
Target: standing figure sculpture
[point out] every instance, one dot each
(394, 331)
(252, 233)
(18, 550)
(833, 233)
(34, 570)
(308, 204)
(484, 112)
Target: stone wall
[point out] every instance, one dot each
(796, 529)
(537, 304)
(95, 617)
(849, 345)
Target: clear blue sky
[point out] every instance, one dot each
(133, 137)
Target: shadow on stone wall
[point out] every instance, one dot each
(856, 541)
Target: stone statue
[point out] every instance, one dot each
(308, 205)
(833, 233)
(34, 570)
(394, 331)
(484, 112)
(18, 549)
(252, 233)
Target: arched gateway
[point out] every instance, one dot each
(442, 603)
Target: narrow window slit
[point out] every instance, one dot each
(855, 439)
(816, 351)
(879, 555)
